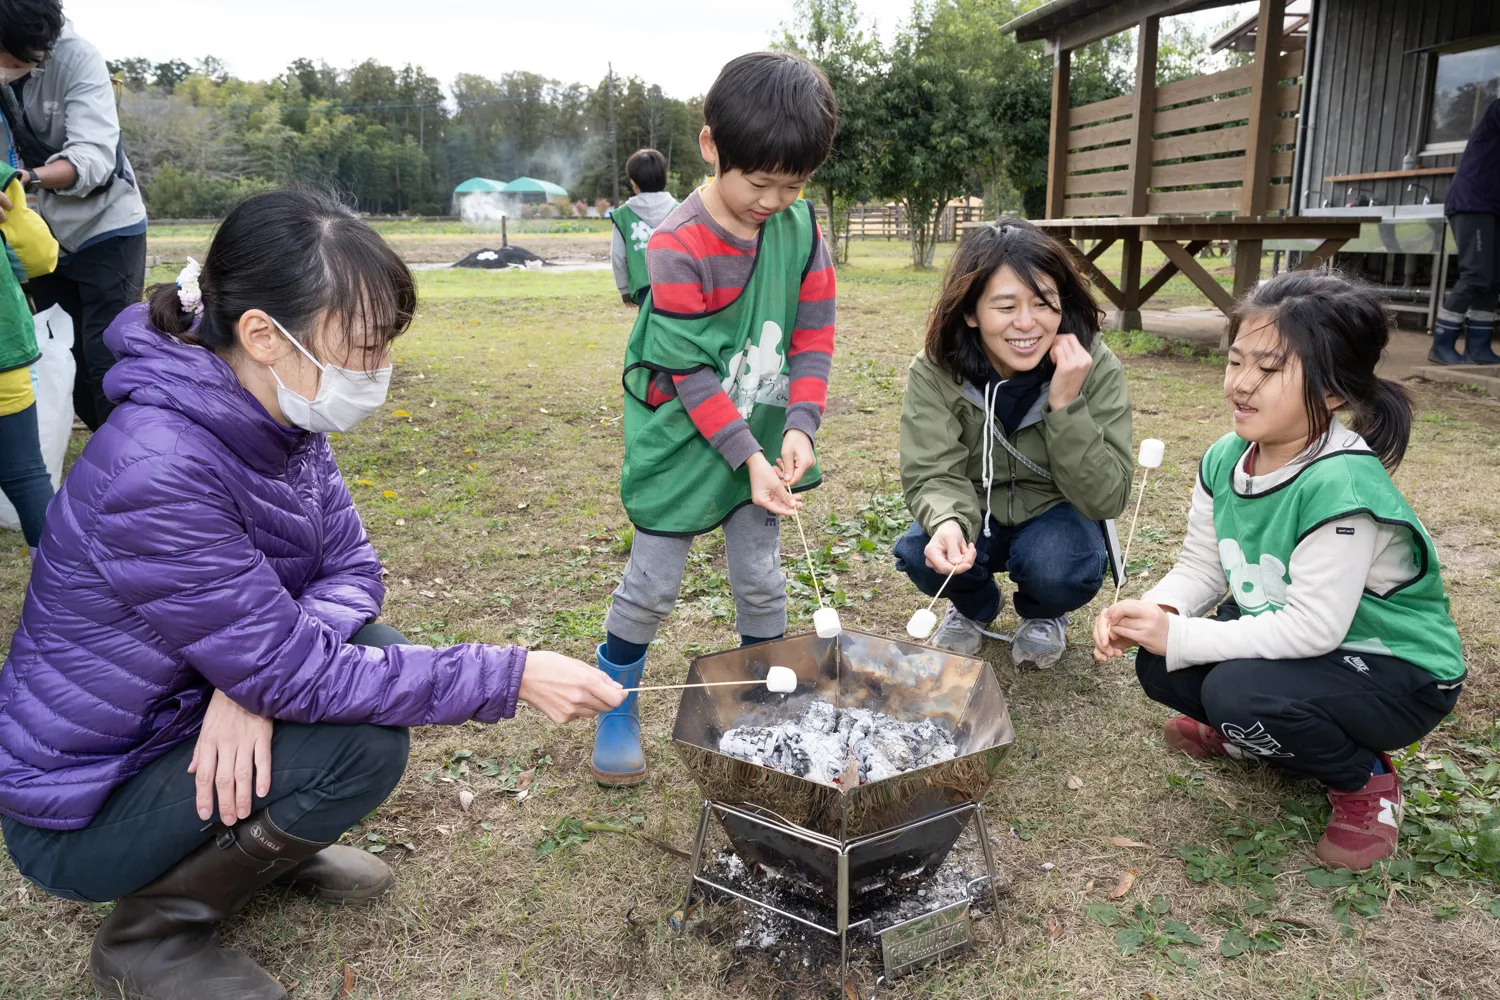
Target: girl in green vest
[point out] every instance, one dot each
(1337, 646)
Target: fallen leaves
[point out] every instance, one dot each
(1075, 783)
(1126, 842)
(1053, 928)
(347, 989)
(400, 413)
(388, 494)
(363, 482)
(465, 800)
(1123, 885)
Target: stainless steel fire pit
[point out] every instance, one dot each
(846, 839)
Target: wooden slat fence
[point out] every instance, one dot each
(889, 222)
(1199, 132)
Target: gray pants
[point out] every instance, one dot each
(653, 578)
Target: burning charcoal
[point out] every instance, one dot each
(792, 757)
(820, 745)
(756, 744)
(820, 717)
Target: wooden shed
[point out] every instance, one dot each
(1338, 138)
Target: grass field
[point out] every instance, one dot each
(489, 488)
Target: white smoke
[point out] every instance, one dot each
(478, 208)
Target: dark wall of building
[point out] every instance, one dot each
(1370, 90)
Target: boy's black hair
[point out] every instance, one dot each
(648, 168)
(957, 348)
(771, 111)
(1337, 328)
(29, 28)
(299, 254)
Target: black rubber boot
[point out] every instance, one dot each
(1444, 338)
(1477, 338)
(162, 942)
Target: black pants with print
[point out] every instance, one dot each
(1325, 717)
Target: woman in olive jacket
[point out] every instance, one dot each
(1013, 346)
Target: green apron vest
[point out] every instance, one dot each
(673, 481)
(1257, 535)
(18, 347)
(636, 233)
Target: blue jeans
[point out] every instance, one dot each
(1057, 561)
(23, 472)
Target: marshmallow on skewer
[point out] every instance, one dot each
(922, 622)
(1151, 453)
(826, 623)
(781, 680)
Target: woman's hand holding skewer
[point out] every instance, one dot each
(948, 551)
(562, 688)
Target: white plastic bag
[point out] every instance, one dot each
(52, 381)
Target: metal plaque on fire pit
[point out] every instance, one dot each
(915, 943)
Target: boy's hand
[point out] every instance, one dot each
(1140, 623)
(1073, 362)
(948, 551)
(767, 489)
(796, 457)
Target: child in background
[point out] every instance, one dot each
(1338, 645)
(728, 364)
(634, 221)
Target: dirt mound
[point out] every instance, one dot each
(504, 257)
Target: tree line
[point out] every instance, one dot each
(390, 139)
(947, 106)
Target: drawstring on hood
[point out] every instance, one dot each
(987, 448)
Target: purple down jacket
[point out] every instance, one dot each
(198, 544)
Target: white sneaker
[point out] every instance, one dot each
(1039, 642)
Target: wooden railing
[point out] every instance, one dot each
(889, 222)
(1199, 134)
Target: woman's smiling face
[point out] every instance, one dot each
(1016, 325)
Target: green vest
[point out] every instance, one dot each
(673, 481)
(18, 347)
(1257, 535)
(635, 232)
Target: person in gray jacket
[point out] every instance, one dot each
(633, 222)
(59, 107)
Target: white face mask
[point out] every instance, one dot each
(344, 398)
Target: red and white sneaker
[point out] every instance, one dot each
(1365, 823)
(1195, 739)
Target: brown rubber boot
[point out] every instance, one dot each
(341, 874)
(162, 942)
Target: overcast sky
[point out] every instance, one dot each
(680, 44)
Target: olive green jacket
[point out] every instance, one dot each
(1081, 453)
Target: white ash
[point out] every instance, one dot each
(821, 743)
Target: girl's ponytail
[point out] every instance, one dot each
(167, 314)
(1383, 419)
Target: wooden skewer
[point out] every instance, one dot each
(808, 551)
(935, 597)
(679, 687)
(1125, 560)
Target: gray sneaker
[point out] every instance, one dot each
(1039, 642)
(960, 635)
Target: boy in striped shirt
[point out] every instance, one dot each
(726, 372)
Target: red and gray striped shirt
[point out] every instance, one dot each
(696, 265)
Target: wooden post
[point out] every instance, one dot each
(1129, 315)
(1144, 111)
(1057, 151)
(1257, 191)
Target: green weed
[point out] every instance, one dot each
(1146, 927)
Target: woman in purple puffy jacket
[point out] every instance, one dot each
(198, 701)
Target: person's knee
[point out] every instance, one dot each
(910, 552)
(379, 635)
(1151, 672)
(1062, 576)
(380, 753)
(1235, 695)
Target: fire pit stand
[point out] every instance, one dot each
(906, 944)
(844, 843)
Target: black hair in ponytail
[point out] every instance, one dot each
(298, 254)
(1338, 329)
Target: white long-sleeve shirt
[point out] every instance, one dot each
(1329, 570)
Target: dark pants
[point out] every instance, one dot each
(23, 472)
(1056, 560)
(324, 779)
(1325, 717)
(1478, 285)
(92, 287)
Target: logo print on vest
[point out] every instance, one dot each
(1255, 586)
(1255, 739)
(640, 234)
(755, 374)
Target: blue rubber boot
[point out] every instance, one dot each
(1479, 330)
(1445, 338)
(618, 759)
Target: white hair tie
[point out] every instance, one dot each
(188, 292)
